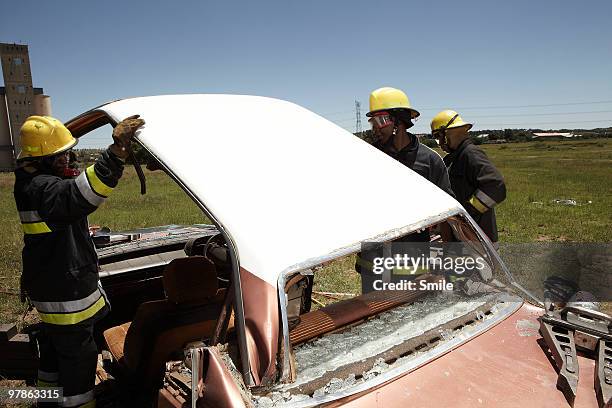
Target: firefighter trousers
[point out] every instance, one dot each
(68, 359)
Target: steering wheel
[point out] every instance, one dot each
(202, 246)
(213, 239)
(220, 257)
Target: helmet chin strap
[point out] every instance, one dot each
(48, 161)
(396, 122)
(47, 165)
(391, 140)
(445, 128)
(446, 141)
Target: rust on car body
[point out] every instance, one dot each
(261, 326)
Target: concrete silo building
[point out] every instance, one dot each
(18, 100)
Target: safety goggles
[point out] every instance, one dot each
(380, 120)
(438, 133)
(442, 131)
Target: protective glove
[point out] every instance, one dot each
(584, 299)
(123, 134)
(558, 289)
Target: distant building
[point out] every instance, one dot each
(18, 100)
(553, 135)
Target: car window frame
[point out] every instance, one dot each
(96, 118)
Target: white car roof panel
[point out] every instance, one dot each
(286, 183)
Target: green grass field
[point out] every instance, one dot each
(539, 172)
(535, 172)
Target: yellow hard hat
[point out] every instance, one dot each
(386, 98)
(447, 119)
(44, 136)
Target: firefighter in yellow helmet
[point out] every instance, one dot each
(477, 184)
(391, 115)
(60, 264)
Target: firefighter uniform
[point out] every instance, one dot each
(414, 155)
(427, 164)
(60, 269)
(477, 185)
(422, 160)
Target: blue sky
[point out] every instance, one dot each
(473, 56)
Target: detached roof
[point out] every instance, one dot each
(288, 185)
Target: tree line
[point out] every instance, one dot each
(508, 135)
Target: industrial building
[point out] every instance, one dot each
(554, 135)
(18, 100)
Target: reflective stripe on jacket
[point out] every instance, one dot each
(60, 264)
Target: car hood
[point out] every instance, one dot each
(507, 366)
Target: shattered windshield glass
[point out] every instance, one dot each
(368, 317)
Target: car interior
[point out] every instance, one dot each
(185, 301)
